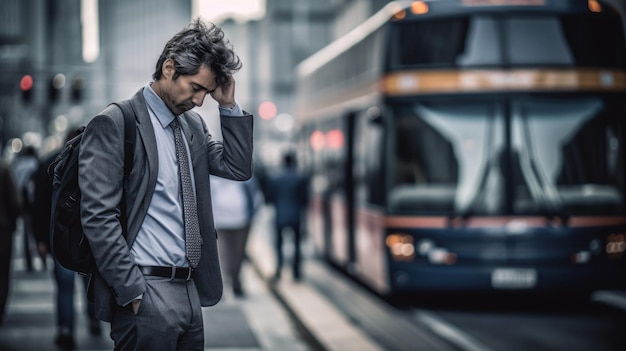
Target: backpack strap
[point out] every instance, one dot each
(130, 136)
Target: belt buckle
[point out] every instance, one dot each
(190, 271)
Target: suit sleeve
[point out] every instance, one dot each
(232, 157)
(101, 172)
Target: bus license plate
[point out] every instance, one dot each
(513, 278)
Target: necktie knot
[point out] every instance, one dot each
(174, 124)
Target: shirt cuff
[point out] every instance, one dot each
(234, 111)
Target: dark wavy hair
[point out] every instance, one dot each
(196, 45)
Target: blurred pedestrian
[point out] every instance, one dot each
(24, 165)
(9, 213)
(234, 205)
(288, 191)
(153, 278)
(63, 277)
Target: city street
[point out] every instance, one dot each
(253, 323)
(328, 312)
(458, 166)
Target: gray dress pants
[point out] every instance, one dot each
(169, 318)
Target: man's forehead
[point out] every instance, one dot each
(205, 78)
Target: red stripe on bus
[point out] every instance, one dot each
(417, 222)
(500, 222)
(596, 221)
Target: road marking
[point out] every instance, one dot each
(30, 307)
(616, 299)
(449, 332)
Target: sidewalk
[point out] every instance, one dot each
(257, 322)
(334, 330)
(273, 316)
(329, 329)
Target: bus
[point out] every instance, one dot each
(470, 146)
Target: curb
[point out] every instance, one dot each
(325, 327)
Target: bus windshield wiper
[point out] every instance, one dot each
(541, 189)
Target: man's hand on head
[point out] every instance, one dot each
(225, 94)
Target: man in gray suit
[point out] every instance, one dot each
(145, 284)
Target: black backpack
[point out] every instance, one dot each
(68, 243)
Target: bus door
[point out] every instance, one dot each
(368, 169)
(335, 195)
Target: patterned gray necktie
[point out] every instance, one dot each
(193, 241)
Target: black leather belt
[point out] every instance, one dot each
(169, 272)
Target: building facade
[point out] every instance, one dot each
(38, 40)
(43, 39)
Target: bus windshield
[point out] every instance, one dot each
(590, 40)
(526, 155)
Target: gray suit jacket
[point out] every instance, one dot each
(101, 163)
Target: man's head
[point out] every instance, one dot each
(195, 61)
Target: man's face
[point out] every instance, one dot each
(187, 91)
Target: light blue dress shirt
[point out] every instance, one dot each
(161, 238)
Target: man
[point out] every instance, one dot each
(288, 191)
(63, 277)
(23, 166)
(147, 284)
(9, 213)
(234, 206)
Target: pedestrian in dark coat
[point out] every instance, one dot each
(288, 191)
(9, 212)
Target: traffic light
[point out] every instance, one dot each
(78, 88)
(26, 86)
(55, 87)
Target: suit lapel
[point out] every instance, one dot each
(146, 132)
(148, 141)
(196, 155)
(188, 131)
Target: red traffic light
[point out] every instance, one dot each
(26, 83)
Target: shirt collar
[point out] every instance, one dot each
(158, 107)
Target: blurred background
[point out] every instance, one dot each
(372, 213)
(62, 61)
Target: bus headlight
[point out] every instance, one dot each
(615, 245)
(424, 246)
(435, 254)
(441, 256)
(401, 246)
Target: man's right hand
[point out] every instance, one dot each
(135, 305)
